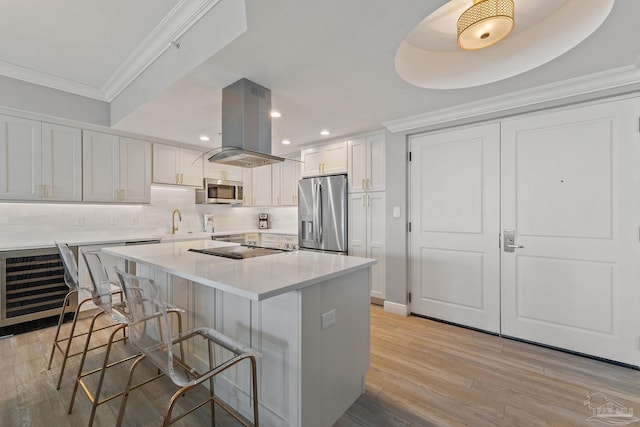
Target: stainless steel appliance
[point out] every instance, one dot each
(263, 221)
(322, 213)
(246, 126)
(220, 191)
(240, 252)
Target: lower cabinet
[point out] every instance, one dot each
(367, 234)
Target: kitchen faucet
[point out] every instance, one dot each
(173, 220)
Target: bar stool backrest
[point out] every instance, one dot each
(101, 288)
(150, 331)
(70, 266)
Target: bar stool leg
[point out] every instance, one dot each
(60, 321)
(68, 347)
(82, 360)
(103, 371)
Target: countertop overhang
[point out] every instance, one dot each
(254, 278)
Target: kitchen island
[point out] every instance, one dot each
(306, 312)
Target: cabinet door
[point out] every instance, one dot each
(212, 170)
(289, 183)
(166, 164)
(232, 173)
(357, 165)
(101, 166)
(376, 241)
(375, 163)
(311, 161)
(276, 184)
(247, 187)
(335, 158)
(357, 225)
(262, 186)
(61, 163)
(135, 171)
(20, 159)
(191, 168)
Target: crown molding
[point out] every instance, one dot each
(25, 74)
(182, 17)
(584, 85)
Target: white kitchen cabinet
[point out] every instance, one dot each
(247, 187)
(135, 170)
(221, 171)
(115, 169)
(175, 165)
(366, 166)
(284, 182)
(324, 159)
(261, 185)
(41, 161)
(367, 234)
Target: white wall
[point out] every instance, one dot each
(29, 222)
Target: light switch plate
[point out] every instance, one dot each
(396, 211)
(328, 319)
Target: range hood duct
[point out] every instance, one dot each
(246, 126)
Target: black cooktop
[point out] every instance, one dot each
(240, 252)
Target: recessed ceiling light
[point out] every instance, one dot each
(286, 142)
(204, 138)
(275, 114)
(324, 132)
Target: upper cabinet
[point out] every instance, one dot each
(284, 179)
(175, 165)
(261, 186)
(115, 169)
(221, 171)
(325, 159)
(41, 161)
(366, 169)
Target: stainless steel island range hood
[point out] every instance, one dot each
(246, 126)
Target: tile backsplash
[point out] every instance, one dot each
(20, 222)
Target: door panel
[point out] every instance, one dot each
(455, 259)
(569, 190)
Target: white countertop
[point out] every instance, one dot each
(96, 239)
(254, 278)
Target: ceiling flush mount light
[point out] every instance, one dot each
(204, 138)
(286, 142)
(275, 114)
(324, 132)
(485, 23)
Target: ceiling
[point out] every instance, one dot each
(329, 64)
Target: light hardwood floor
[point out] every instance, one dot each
(423, 373)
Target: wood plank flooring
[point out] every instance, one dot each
(423, 373)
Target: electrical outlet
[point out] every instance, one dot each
(113, 220)
(328, 319)
(134, 220)
(396, 211)
(79, 221)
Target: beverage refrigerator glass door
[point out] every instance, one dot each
(322, 213)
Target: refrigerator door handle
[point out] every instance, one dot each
(319, 225)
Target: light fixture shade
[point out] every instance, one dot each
(485, 23)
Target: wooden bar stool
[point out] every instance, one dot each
(151, 334)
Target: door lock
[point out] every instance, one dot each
(509, 241)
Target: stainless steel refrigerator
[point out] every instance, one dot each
(322, 213)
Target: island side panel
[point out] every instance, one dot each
(334, 359)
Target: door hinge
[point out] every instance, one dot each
(409, 227)
(409, 296)
(409, 155)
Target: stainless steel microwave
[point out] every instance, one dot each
(220, 191)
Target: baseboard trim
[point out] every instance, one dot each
(395, 308)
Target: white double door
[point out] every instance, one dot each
(567, 183)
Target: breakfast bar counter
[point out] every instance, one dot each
(307, 313)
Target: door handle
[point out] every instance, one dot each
(509, 241)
